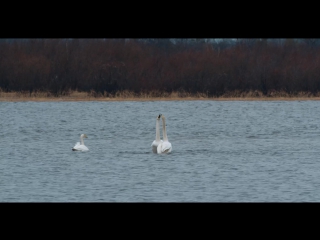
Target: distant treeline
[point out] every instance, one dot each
(159, 65)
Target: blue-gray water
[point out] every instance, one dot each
(223, 151)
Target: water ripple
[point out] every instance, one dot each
(223, 151)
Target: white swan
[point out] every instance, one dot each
(165, 146)
(80, 145)
(156, 142)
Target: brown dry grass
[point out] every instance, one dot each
(155, 96)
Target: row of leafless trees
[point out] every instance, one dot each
(164, 65)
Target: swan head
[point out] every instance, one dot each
(84, 136)
(159, 116)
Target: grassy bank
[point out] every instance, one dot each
(154, 96)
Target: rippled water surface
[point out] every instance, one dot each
(223, 151)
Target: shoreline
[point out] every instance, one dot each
(145, 99)
(75, 96)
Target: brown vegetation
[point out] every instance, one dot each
(142, 69)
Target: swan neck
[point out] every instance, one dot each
(81, 141)
(158, 130)
(165, 138)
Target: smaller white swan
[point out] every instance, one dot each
(165, 146)
(80, 145)
(156, 142)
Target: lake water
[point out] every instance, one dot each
(222, 151)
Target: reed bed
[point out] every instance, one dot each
(155, 96)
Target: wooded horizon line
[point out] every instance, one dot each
(213, 68)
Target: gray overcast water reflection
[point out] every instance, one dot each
(223, 151)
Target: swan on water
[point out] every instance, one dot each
(164, 146)
(156, 142)
(80, 145)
